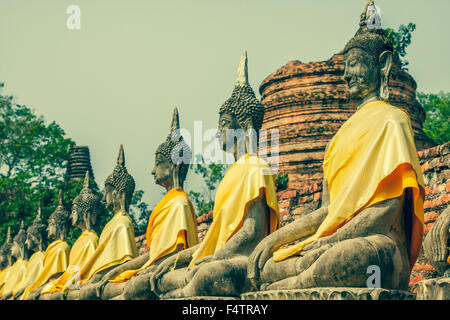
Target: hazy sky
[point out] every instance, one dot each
(118, 78)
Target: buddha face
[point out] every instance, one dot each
(228, 127)
(52, 229)
(361, 73)
(162, 171)
(32, 241)
(110, 197)
(15, 249)
(75, 215)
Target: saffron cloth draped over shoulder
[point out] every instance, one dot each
(247, 179)
(32, 272)
(56, 259)
(370, 159)
(16, 274)
(82, 250)
(116, 246)
(171, 224)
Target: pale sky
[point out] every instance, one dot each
(118, 78)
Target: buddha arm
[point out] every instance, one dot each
(297, 230)
(250, 234)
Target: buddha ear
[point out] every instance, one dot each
(385, 63)
(175, 175)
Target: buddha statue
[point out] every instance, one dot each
(116, 244)
(17, 271)
(5, 258)
(35, 243)
(436, 251)
(245, 209)
(85, 209)
(172, 224)
(5, 251)
(436, 244)
(373, 191)
(56, 256)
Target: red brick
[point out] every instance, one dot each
(431, 216)
(284, 204)
(286, 194)
(284, 213)
(317, 196)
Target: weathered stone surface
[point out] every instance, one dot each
(329, 294)
(434, 289)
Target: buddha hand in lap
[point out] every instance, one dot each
(372, 202)
(245, 210)
(172, 225)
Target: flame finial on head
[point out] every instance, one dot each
(242, 71)
(121, 157)
(86, 180)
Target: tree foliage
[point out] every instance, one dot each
(437, 108)
(401, 39)
(211, 174)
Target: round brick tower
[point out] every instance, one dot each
(79, 162)
(308, 102)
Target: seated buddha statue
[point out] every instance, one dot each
(35, 244)
(172, 225)
(17, 271)
(56, 256)
(5, 258)
(373, 191)
(116, 244)
(85, 208)
(245, 209)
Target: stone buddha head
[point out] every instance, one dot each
(172, 158)
(367, 61)
(58, 222)
(5, 251)
(18, 249)
(36, 234)
(119, 186)
(85, 207)
(241, 116)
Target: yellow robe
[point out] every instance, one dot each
(116, 246)
(370, 159)
(16, 274)
(56, 259)
(82, 250)
(4, 277)
(244, 182)
(172, 223)
(34, 267)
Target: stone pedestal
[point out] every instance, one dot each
(434, 289)
(330, 294)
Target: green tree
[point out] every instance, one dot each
(33, 157)
(211, 174)
(140, 212)
(437, 108)
(401, 39)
